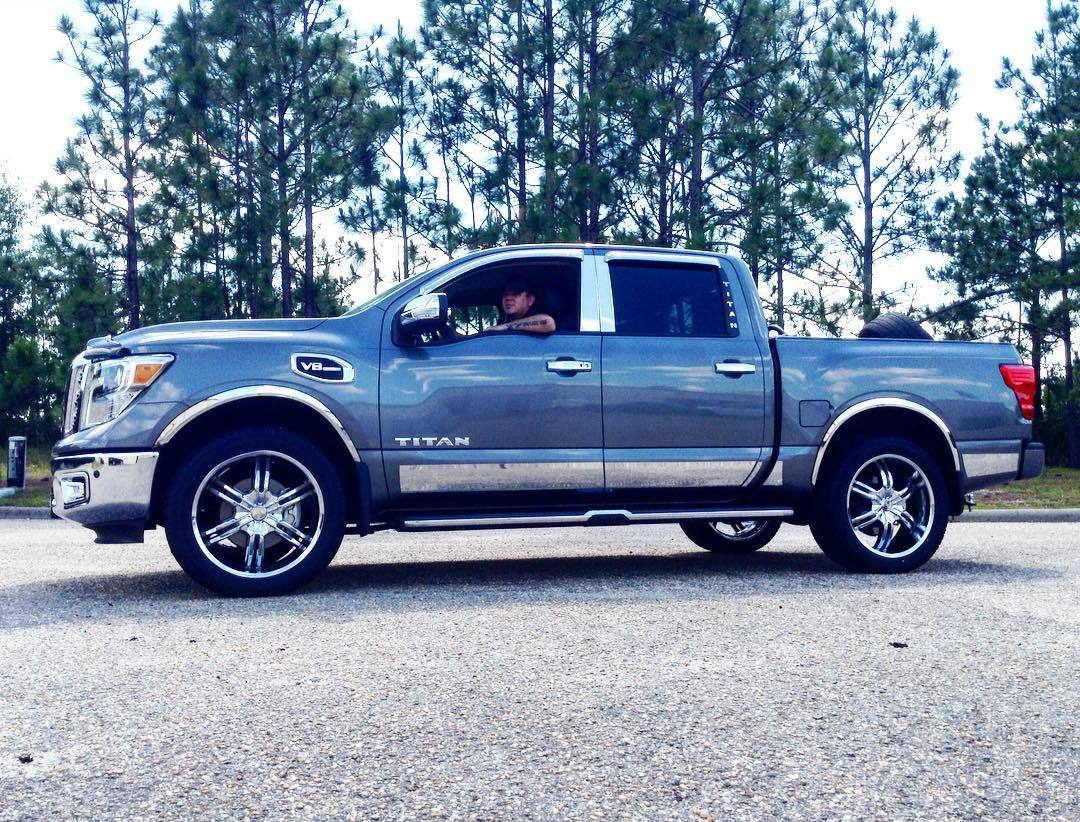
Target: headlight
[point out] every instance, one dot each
(114, 384)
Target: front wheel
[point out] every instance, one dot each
(255, 512)
(732, 536)
(882, 507)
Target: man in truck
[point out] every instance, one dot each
(518, 303)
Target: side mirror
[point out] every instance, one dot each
(423, 313)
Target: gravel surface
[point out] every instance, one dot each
(607, 673)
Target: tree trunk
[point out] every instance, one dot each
(519, 113)
(549, 122)
(284, 238)
(868, 227)
(131, 255)
(695, 204)
(1071, 444)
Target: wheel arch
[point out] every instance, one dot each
(276, 406)
(894, 416)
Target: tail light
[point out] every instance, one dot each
(1021, 379)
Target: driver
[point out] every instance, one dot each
(518, 301)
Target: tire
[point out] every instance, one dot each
(221, 519)
(895, 327)
(857, 503)
(732, 536)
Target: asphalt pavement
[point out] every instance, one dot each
(546, 674)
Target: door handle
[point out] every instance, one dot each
(569, 366)
(735, 369)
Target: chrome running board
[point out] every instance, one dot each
(614, 516)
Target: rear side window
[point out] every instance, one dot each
(663, 300)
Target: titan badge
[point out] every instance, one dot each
(432, 442)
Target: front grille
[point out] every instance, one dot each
(73, 403)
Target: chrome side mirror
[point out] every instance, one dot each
(423, 313)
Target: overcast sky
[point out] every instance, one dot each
(39, 98)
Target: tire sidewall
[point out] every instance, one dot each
(189, 477)
(711, 540)
(831, 526)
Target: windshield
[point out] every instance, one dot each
(397, 287)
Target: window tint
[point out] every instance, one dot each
(659, 300)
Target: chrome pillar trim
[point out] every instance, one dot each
(500, 476)
(683, 474)
(882, 402)
(117, 486)
(604, 296)
(584, 518)
(249, 392)
(523, 253)
(988, 465)
(662, 255)
(590, 296)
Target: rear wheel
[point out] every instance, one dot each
(254, 512)
(882, 507)
(730, 536)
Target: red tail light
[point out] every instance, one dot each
(1021, 379)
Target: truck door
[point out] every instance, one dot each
(684, 379)
(493, 420)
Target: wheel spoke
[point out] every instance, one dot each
(226, 492)
(261, 480)
(863, 520)
(260, 552)
(915, 482)
(885, 474)
(292, 497)
(863, 490)
(223, 526)
(236, 528)
(289, 532)
(908, 522)
(888, 531)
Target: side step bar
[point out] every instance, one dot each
(618, 516)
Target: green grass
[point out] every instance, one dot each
(38, 491)
(1056, 488)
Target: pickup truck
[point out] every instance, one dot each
(661, 396)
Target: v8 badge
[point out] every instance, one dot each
(322, 367)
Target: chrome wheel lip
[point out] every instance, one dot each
(213, 472)
(753, 528)
(889, 508)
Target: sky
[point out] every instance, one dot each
(40, 98)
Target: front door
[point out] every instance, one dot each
(494, 420)
(684, 381)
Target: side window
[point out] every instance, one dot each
(477, 304)
(664, 300)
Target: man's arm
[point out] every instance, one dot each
(534, 324)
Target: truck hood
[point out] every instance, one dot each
(207, 330)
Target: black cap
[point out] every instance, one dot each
(518, 285)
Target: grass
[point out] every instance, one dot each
(38, 491)
(1056, 488)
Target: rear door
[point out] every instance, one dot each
(494, 421)
(684, 391)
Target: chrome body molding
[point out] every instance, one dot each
(604, 514)
(500, 476)
(678, 474)
(882, 402)
(250, 392)
(977, 466)
(117, 486)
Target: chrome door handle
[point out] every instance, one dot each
(735, 369)
(569, 366)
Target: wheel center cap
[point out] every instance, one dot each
(258, 514)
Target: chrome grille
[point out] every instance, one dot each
(76, 382)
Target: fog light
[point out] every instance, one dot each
(75, 489)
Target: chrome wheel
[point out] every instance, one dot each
(257, 514)
(739, 530)
(890, 506)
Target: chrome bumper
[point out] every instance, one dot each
(109, 493)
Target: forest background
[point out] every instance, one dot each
(257, 158)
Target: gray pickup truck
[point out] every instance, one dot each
(661, 396)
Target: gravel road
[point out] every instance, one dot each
(607, 673)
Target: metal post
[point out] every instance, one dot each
(16, 463)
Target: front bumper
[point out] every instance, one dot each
(108, 492)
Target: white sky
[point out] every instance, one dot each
(39, 98)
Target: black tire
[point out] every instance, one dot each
(755, 535)
(847, 495)
(311, 525)
(894, 327)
